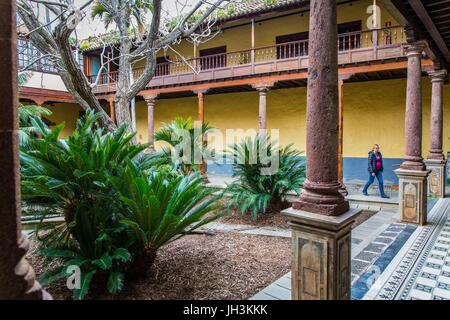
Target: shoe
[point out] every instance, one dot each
(365, 193)
(385, 196)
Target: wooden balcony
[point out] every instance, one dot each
(355, 47)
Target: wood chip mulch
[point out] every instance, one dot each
(277, 219)
(273, 219)
(221, 266)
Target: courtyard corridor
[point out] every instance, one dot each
(392, 260)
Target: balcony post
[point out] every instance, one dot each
(252, 57)
(150, 99)
(375, 30)
(17, 278)
(195, 57)
(436, 159)
(112, 110)
(321, 219)
(412, 173)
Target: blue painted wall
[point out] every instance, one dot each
(354, 168)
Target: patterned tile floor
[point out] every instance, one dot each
(421, 269)
(396, 260)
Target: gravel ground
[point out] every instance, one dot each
(221, 266)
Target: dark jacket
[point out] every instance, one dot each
(372, 159)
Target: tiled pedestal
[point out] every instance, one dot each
(413, 195)
(321, 255)
(436, 179)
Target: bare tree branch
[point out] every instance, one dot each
(137, 41)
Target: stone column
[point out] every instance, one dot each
(412, 173)
(343, 188)
(17, 279)
(436, 159)
(150, 99)
(262, 119)
(262, 89)
(201, 119)
(321, 219)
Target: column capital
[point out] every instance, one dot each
(344, 77)
(202, 91)
(438, 75)
(149, 97)
(415, 48)
(263, 86)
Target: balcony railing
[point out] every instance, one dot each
(28, 57)
(353, 47)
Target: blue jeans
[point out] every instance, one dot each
(379, 176)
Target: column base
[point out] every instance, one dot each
(436, 180)
(413, 195)
(321, 260)
(343, 189)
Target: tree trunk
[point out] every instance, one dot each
(71, 74)
(142, 264)
(123, 84)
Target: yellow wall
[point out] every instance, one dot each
(373, 113)
(67, 113)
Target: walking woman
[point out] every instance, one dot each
(375, 168)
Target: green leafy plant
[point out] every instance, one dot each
(26, 128)
(28, 112)
(71, 173)
(117, 207)
(181, 135)
(70, 177)
(160, 207)
(99, 250)
(256, 192)
(137, 8)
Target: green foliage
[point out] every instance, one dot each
(116, 204)
(270, 2)
(184, 141)
(100, 256)
(160, 207)
(26, 128)
(23, 77)
(70, 177)
(71, 174)
(27, 113)
(137, 8)
(258, 193)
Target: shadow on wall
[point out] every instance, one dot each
(354, 168)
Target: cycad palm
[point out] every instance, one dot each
(185, 143)
(67, 173)
(160, 208)
(255, 192)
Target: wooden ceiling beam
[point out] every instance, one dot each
(423, 15)
(427, 64)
